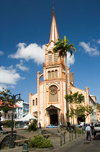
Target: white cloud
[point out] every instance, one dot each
(91, 50)
(98, 41)
(70, 59)
(21, 66)
(1, 52)
(9, 76)
(32, 51)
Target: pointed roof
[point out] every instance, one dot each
(54, 31)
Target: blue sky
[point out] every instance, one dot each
(25, 29)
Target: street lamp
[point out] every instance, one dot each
(11, 144)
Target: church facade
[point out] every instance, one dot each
(49, 104)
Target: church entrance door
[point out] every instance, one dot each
(53, 117)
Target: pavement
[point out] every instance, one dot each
(72, 144)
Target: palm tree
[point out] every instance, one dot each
(63, 47)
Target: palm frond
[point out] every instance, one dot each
(62, 46)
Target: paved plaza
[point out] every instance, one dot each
(72, 143)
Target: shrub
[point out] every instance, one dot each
(78, 131)
(7, 123)
(33, 126)
(73, 126)
(39, 142)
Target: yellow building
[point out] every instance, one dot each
(48, 104)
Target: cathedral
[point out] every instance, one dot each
(49, 104)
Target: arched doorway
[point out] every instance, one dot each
(81, 119)
(53, 113)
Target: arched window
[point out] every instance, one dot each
(55, 57)
(52, 74)
(36, 101)
(56, 74)
(50, 57)
(49, 75)
(33, 102)
(53, 94)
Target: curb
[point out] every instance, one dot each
(41, 149)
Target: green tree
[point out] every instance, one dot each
(98, 106)
(63, 47)
(78, 108)
(6, 99)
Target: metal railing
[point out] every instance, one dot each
(73, 134)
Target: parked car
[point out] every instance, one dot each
(52, 126)
(25, 127)
(81, 124)
(96, 128)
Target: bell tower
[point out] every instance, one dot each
(53, 63)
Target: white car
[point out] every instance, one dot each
(25, 127)
(97, 128)
(81, 124)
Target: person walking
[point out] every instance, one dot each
(39, 125)
(68, 125)
(92, 130)
(88, 132)
(83, 127)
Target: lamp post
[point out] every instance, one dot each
(11, 144)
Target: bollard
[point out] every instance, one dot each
(25, 148)
(83, 132)
(78, 133)
(69, 136)
(72, 135)
(61, 140)
(64, 137)
(75, 134)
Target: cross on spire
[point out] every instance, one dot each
(53, 5)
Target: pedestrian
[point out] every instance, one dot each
(39, 125)
(83, 127)
(92, 128)
(88, 132)
(68, 125)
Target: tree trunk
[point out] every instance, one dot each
(67, 107)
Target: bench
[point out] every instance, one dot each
(46, 135)
(21, 141)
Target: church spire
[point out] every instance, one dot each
(54, 31)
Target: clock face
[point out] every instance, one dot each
(53, 90)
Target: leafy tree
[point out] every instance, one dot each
(5, 96)
(33, 126)
(78, 108)
(98, 106)
(63, 47)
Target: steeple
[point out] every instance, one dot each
(54, 31)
